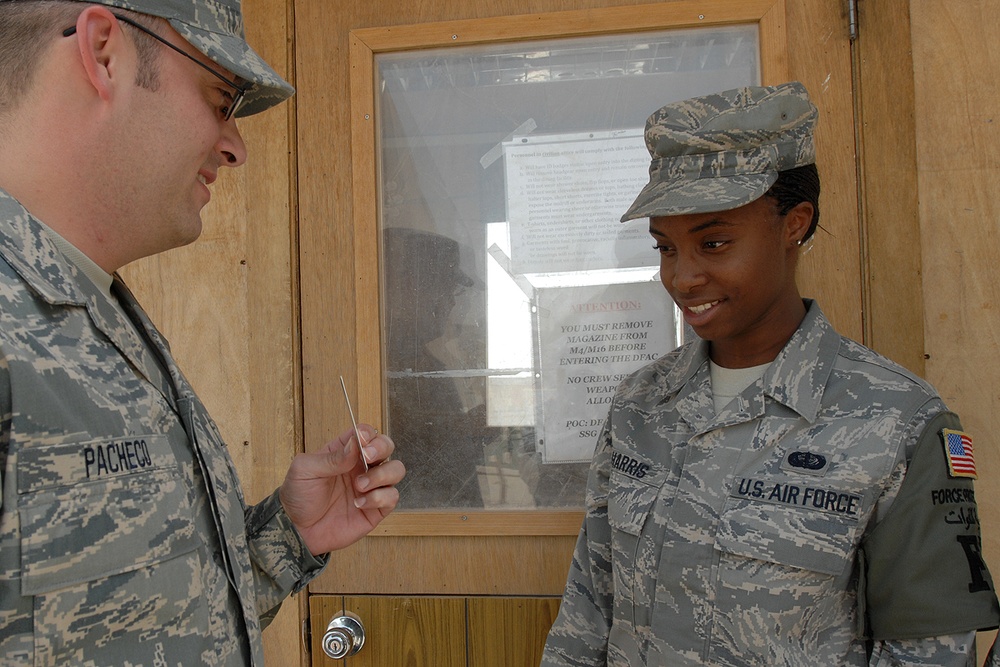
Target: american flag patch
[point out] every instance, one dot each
(958, 451)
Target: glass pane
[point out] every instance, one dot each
(513, 301)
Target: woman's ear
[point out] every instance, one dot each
(797, 222)
(100, 42)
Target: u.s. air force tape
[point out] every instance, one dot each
(798, 494)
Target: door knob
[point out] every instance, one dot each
(344, 636)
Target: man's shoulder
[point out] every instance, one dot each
(31, 266)
(15, 293)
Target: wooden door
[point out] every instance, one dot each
(481, 587)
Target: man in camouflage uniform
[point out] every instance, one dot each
(811, 506)
(124, 536)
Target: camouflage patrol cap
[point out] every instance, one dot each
(215, 27)
(724, 150)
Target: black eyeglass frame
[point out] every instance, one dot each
(241, 90)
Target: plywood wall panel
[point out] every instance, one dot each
(819, 56)
(891, 261)
(958, 132)
(959, 175)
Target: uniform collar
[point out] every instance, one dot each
(797, 377)
(29, 248)
(30, 251)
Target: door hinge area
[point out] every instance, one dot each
(852, 19)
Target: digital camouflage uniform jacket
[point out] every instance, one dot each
(779, 531)
(124, 537)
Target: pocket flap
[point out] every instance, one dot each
(635, 482)
(799, 525)
(99, 527)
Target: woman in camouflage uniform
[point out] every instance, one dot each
(770, 493)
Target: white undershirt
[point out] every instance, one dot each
(728, 383)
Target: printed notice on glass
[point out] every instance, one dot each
(565, 197)
(591, 338)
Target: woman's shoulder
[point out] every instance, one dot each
(865, 359)
(857, 361)
(666, 372)
(868, 378)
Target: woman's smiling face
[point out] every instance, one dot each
(732, 274)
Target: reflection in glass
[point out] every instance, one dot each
(435, 411)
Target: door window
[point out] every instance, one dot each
(512, 299)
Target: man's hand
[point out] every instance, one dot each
(330, 498)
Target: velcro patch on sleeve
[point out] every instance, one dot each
(958, 453)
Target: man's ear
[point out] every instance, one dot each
(101, 44)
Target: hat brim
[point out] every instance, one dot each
(233, 53)
(706, 195)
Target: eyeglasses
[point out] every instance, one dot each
(241, 90)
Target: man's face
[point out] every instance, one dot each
(173, 143)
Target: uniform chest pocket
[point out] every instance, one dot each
(86, 516)
(786, 551)
(791, 524)
(631, 493)
(634, 488)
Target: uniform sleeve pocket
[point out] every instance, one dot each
(102, 527)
